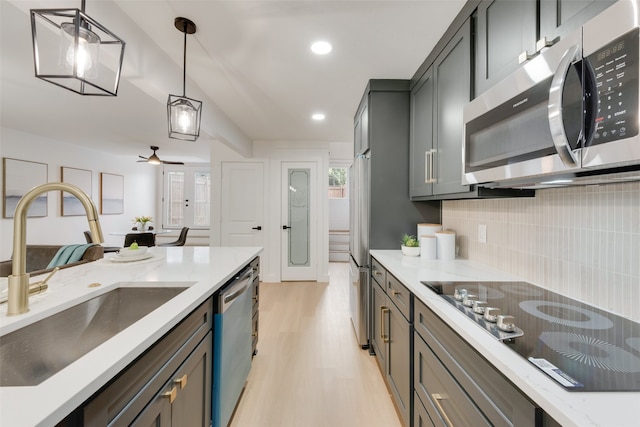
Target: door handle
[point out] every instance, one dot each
(556, 124)
(285, 227)
(257, 228)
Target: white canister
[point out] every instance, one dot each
(446, 244)
(428, 229)
(428, 247)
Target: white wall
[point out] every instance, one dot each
(139, 190)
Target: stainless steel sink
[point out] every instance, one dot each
(35, 352)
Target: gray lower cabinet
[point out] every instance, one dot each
(457, 386)
(391, 338)
(399, 360)
(181, 401)
(168, 385)
(378, 340)
(420, 416)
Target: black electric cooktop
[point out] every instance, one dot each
(581, 347)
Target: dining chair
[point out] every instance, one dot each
(89, 238)
(142, 239)
(182, 238)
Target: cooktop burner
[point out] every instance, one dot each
(581, 347)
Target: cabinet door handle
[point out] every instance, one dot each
(427, 166)
(171, 394)
(385, 337)
(524, 57)
(544, 42)
(437, 397)
(182, 382)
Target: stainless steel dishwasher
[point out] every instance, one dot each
(231, 345)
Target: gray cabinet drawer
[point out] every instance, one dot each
(400, 295)
(496, 397)
(446, 402)
(378, 273)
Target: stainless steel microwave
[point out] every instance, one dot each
(570, 113)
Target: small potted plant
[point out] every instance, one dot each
(142, 222)
(410, 245)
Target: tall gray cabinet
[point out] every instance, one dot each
(382, 135)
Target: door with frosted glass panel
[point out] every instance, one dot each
(299, 221)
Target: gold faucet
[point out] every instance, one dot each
(18, 289)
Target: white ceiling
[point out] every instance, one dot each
(249, 62)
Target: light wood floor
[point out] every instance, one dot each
(309, 371)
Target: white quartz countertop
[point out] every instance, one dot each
(203, 269)
(580, 409)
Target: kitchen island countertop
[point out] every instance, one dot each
(203, 269)
(580, 409)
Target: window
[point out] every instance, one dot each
(186, 201)
(338, 183)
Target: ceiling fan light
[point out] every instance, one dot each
(73, 51)
(154, 159)
(184, 116)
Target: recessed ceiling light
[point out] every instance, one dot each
(318, 117)
(321, 47)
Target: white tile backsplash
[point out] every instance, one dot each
(583, 242)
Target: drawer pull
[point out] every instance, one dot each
(385, 337)
(437, 397)
(171, 394)
(182, 382)
(395, 293)
(254, 334)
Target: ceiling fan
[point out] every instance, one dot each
(155, 160)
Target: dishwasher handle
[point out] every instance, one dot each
(235, 289)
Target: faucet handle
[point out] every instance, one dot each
(41, 286)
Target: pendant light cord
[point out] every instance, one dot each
(184, 61)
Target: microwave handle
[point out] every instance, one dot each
(556, 123)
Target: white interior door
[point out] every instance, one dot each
(299, 221)
(242, 210)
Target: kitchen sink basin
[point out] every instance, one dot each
(35, 352)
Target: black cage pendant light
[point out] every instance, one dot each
(74, 51)
(184, 113)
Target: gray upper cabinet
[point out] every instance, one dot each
(437, 101)
(511, 32)
(506, 34)
(452, 90)
(559, 17)
(421, 137)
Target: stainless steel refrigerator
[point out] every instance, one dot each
(359, 248)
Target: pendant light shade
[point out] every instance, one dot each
(184, 113)
(73, 51)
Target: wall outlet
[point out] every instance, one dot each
(482, 233)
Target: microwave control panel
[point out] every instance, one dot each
(616, 71)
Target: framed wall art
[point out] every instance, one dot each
(111, 194)
(81, 178)
(19, 176)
